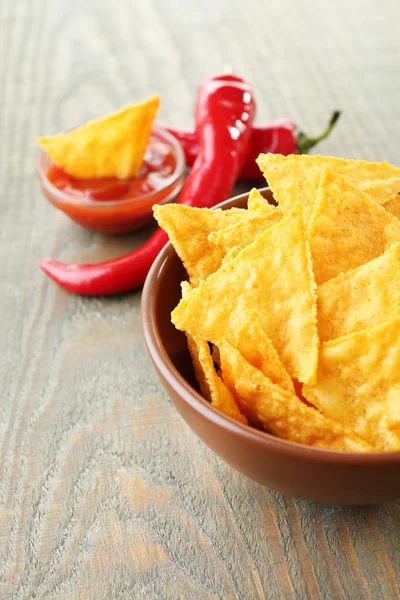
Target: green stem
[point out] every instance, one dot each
(305, 143)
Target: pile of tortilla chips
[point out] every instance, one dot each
(292, 313)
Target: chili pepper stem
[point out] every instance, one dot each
(305, 143)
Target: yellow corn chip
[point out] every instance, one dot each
(253, 343)
(272, 276)
(279, 411)
(186, 288)
(358, 383)
(392, 204)
(347, 228)
(112, 146)
(295, 178)
(188, 229)
(256, 347)
(239, 211)
(240, 235)
(212, 386)
(360, 298)
(257, 203)
(194, 349)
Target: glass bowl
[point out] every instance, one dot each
(116, 216)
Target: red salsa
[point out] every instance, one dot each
(111, 205)
(158, 165)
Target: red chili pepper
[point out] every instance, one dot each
(280, 137)
(225, 111)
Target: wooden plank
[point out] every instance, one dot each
(104, 492)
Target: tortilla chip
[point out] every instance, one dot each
(188, 230)
(272, 276)
(257, 203)
(186, 288)
(358, 383)
(194, 349)
(211, 385)
(392, 205)
(233, 210)
(279, 411)
(253, 343)
(256, 347)
(347, 228)
(295, 178)
(243, 233)
(112, 146)
(359, 298)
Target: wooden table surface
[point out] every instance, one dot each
(105, 493)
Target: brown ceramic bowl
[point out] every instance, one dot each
(293, 469)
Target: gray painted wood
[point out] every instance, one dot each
(104, 491)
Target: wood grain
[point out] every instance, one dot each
(104, 491)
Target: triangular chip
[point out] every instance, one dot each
(242, 234)
(252, 342)
(211, 385)
(359, 298)
(347, 228)
(256, 347)
(112, 146)
(186, 288)
(257, 203)
(188, 230)
(295, 178)
(194, 349)
(392, 204)
(272, 276)
(358, 383)
(279, 411)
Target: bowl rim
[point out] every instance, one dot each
(62, 196)
(198, 403)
